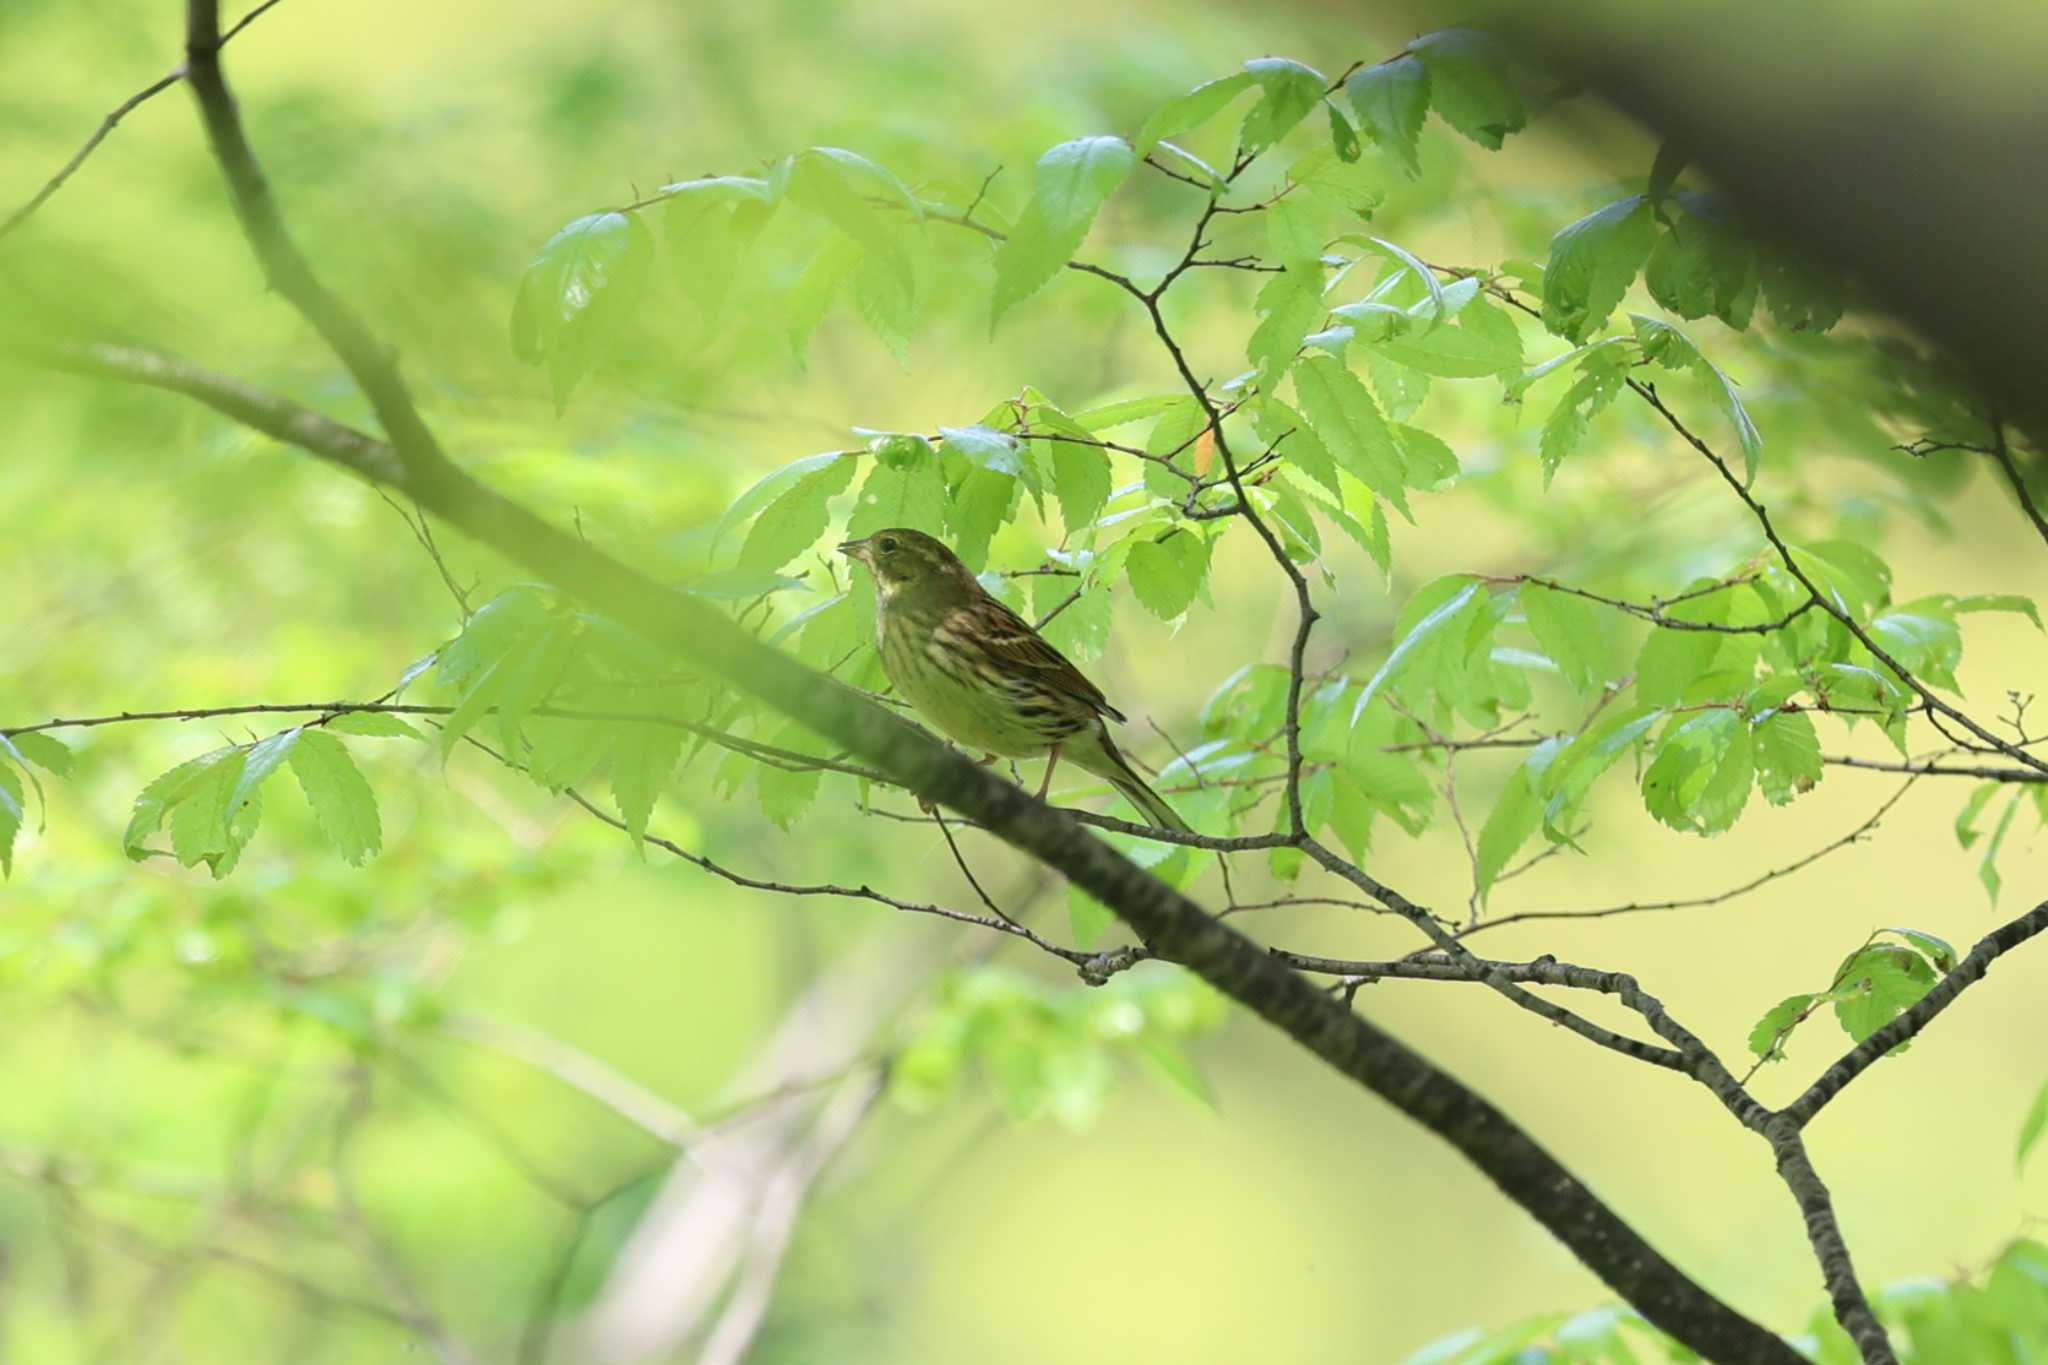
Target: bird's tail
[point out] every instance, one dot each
(1102, 759)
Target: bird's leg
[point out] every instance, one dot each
(1052, 760)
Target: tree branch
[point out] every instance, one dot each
(1909, 1023)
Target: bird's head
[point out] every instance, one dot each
(900, 557)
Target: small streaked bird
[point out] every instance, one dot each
(982, 675)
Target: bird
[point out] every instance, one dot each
(982, 675)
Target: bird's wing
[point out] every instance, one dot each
(1010, 640)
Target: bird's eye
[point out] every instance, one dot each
(887, 545)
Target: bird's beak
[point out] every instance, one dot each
(854, 549)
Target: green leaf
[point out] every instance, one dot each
(1983, 601)
(1185, 113)
(577, 294)
(1121, 414)
(1343, 415)
(914, 497)
(839, 185)
(1699, 780)
(1081, 629)
(811, 297)
(343, 805)
(1390, 100)
(1787, 755)
(1438, 620)
(787, 793)
(1966, 819)
(1673, 660)
(1290, 91)
(2031, 1130)
(1987, 863)
(1572, 773)
(1767, 1039)
(709, 225)
(374, 724)
(1458, 351)
(1087, 918)
(260, 762)
(1671, 348)
(1080, 480)
(1933, 947)
(1875, 985)
(53, 756)
(1288, 304)
(1166, 574)
(1343, 137)
(985, 448)
(1572, 632)
(980, 504)
(643, 756)
(200, 827)
(794, 521)
(1470, 85)
(166, 791)
(11, 816)
(1275, 422)
(1069, 186)
(1592, 263)
(1515, 816)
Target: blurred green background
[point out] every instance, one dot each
(168, 1042)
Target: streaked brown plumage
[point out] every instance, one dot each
(982, 675)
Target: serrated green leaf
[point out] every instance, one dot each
(577, 294)
(1068, 188)
(1933, 947)
(1080, 480)
(839, 185)
(261, 760)
(1572, 632)
(811, 297)
(199, 822)
(914, 497)
(1081, 629)
(1983, 601)
(1087, 918)
(1875, 985)
(2030, 1130)
(343, 805)
(1700, 778)
(1987, 863)
(1787, 755)
(797, 517)
(1440, 619)
(1671, 348)
(1767, 1039)
(1166, 574)
(1342, 414)
(1470, 85)
(1390, 100)
(166, 791)
(373, 724)
(1592, 263)
(1289, 90)
(53, 756)
(1185, 113)
(11, 816)
(787, 793)
(643, 757)
(1515, 816)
